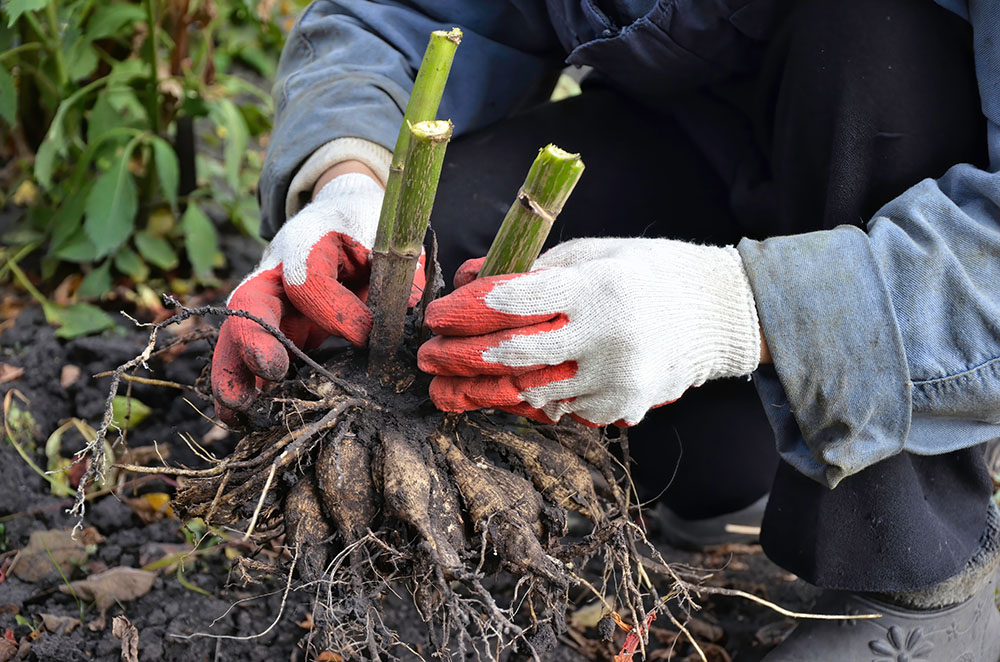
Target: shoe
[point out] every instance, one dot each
(741, 526)
(966, 632)
(922, 631)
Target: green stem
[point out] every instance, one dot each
(51, 315)
(525, 227)
(23, 48)
(53, 20)
(390, 289)
(428, 87)
(22, 253)
(152, 94)
(83, 163)
(39, 77)
(428, 141)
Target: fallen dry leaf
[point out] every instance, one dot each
(329, 656)
(588, 616)
(145, 455)
(214, 435)
(9, 373)
(26, 194)
(45, 551)
(307, 623)
(123, 629)
(773, 634)
(713, 653)
(65, 291)
(69, 374)
(151, 507)
(7, 650)
(59, 624)
(90, 536)
(115, 585)
(619, 622)
(703, 630)
(664, 636)
(632, 640)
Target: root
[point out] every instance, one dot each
(386, 500)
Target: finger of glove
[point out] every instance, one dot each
(419, 280)
(226, 415)
(263, 297)
(457, 394)
(233, 384)
(468, 356)
(465, 311)
(318, 286)
(527, 411)
(296, 328)
(469, 271)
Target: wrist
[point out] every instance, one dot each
(344, 168)
(765, 351)
(356, 152)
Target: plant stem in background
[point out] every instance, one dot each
(56, 42)
(423, 105)
(152, 98)
(428, 141)
(525, 227)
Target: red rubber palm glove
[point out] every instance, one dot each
(602, 330)
(311, 283)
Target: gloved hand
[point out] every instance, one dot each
(311, 283)
(602, 330)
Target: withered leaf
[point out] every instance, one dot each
(123, 629)
(69, 374)
(114, 585)
(60, 624)
(10, 373)
(46, 550)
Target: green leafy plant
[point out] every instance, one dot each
(127, 125)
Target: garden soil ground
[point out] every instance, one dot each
(178, 622)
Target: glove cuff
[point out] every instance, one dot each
(376, 157)
(732, 327)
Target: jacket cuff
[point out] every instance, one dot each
(336, 151)
(844, 398)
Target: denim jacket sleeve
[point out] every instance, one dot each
(889, 340)
(348, 66)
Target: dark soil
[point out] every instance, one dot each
(170, 612)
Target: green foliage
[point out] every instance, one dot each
(109, 112)
(128, 411)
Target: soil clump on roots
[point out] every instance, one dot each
(378, 492)
(486, 521)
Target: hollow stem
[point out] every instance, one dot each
(392, 270)
(525, 227)
(428, 87)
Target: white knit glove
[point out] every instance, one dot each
(602, 330)
(311, 283)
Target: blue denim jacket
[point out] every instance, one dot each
(883, 341)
